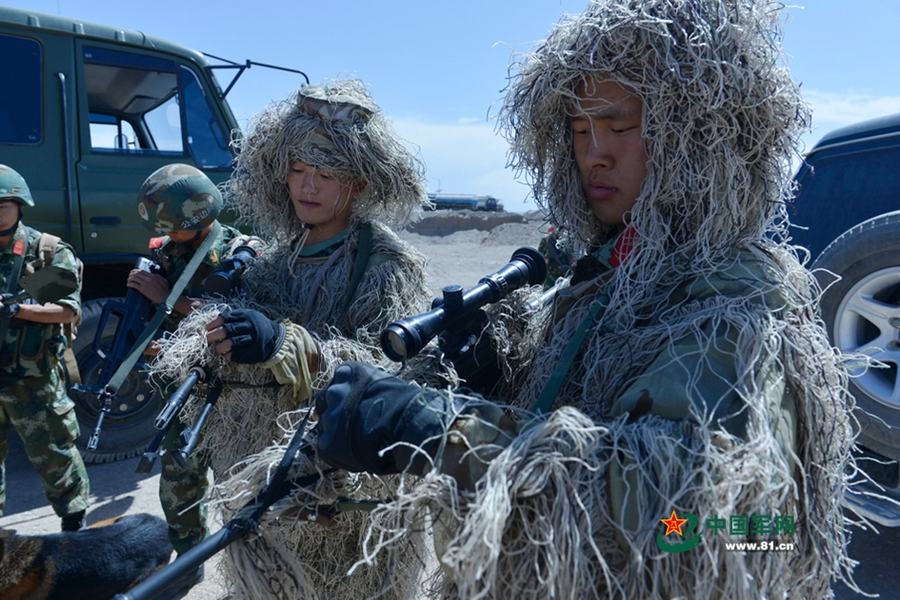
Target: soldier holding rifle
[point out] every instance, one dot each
(324, 177)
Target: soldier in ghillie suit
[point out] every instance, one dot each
(322, 177)
(32, 377)
(683, 375)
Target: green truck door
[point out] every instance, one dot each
(138, 111)
(37, 75)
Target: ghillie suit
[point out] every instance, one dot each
(337, 128)
(705, 383)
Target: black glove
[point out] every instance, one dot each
(255, 337)
(364, 410)
(7, 311)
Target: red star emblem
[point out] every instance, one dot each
(673, 524)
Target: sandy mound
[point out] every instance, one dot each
(463, 246)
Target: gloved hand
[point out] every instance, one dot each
(7, 311)
(255, 337)
(364, 410)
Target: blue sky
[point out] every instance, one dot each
(438, 67)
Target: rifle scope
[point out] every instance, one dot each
(405, 338)
(224, 279)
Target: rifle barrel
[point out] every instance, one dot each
(189, 561)
(176, 400)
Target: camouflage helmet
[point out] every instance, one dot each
(178, 197)
(13, 187)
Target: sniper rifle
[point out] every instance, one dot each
(459, 320)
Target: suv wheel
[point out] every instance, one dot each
(128, 429)
(862, 314)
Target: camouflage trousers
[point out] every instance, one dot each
(181, 493)
(44, 417)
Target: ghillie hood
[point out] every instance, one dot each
(336, 127)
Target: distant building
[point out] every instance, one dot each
(465, 201)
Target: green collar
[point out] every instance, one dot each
(325, 248)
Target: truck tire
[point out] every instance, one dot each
(128, 429)
(861, 311)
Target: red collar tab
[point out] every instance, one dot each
(623, 248)
(19, 248)
(156, 243)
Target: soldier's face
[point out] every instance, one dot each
(180, 236)
(320, 198)
(9, 214)
(606, 129)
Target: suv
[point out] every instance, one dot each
(851, 178)
(88, 112)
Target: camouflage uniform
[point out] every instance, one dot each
(179, 488)
(559, 259)
(33, 389)
(181, 197)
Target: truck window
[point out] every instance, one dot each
(149, 105)
(20, 102)
(207, 142)
(109, 133)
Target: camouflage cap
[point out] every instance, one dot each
(13, 187)
(178, 197)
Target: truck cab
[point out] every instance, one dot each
(88, 112)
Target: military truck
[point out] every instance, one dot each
(87, 112)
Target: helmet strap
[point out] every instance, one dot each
(12, 229)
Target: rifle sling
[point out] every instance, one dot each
(554, 383)
(162, 310)
(363, 252)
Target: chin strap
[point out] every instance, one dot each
(12, 229)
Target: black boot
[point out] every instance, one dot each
(73, 522)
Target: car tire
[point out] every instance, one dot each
(128, 429)
(860, 273)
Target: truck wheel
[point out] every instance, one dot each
(128, 429)
(862, 314)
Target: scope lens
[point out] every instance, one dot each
(397, 344)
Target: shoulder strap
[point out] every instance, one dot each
(363, 250)
(43, 253)
(163, 309)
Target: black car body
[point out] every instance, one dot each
(846, 213)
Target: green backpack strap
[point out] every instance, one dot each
(162, 310)
(363, 252)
